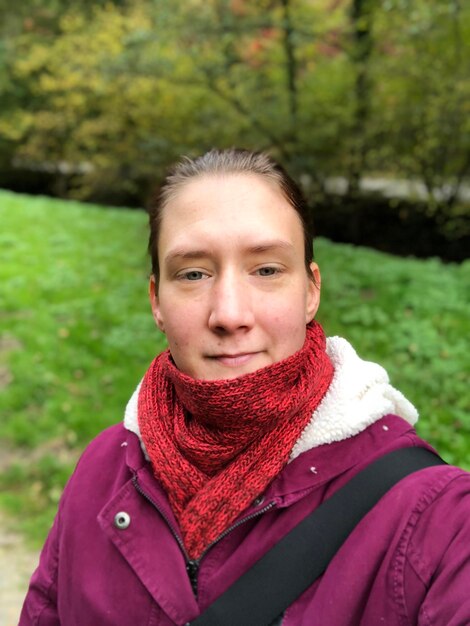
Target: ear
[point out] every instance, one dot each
(313, 293)
(155, 304)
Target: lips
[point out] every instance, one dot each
(234, 360)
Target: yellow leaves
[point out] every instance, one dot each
(15, 125)
(102, 35)
(48, 121)
(72, 22)
(66, 80)
(31, 59)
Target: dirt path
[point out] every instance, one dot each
(17, 562)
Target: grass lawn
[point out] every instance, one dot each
(77, 335)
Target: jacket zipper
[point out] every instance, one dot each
(155, 505)
(192, 565)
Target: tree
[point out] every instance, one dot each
(114, 91)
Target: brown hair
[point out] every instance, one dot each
(232, 161)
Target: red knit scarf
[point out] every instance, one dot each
(215, 445)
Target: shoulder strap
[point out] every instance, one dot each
(274, 582)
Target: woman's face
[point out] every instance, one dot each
(234, 294)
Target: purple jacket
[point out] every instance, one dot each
(407, 562)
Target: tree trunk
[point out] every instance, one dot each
(362, 47)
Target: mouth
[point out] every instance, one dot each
(234, 360)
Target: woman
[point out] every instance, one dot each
(243, 427)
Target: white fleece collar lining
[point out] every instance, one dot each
(359, 395)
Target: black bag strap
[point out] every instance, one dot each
(274, 582)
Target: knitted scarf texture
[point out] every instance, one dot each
(215, 445)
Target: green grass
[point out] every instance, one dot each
(77, 335)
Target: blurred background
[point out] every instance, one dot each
(355, 97)
(365, 102)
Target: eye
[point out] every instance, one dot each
(267, 271)
(192, 275)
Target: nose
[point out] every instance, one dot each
(231, 305)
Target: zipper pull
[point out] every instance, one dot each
(192, 567)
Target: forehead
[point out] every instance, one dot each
(229, 206)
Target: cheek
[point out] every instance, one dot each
(177, 333)
(176, 315)
(286, 311)
(287, 326)
(183, 330)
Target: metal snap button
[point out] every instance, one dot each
(259, 500)
(122, 520)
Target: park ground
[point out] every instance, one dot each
(17, 562)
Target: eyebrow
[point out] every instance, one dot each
(271, 245)
(258, 248)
